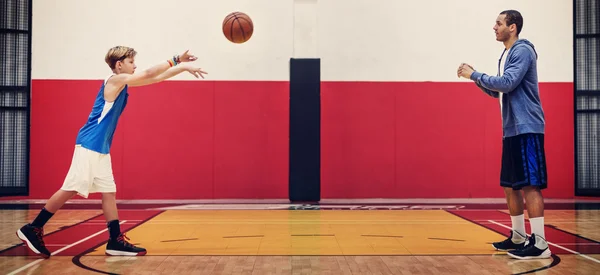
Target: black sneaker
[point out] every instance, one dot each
(530, 251)
(121, 247)
(508, 243)
(32, 237)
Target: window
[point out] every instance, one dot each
(586, 32)
(15, 78)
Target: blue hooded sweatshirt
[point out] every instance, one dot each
(521, 106)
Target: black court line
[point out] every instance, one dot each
(555, 261)
(51, 233)
(321, 255)
(312, 235)
(442, 239)
(475, 223)
(383, 236)
(77, 259)
(251, 236)
(179, 240)
(568, 233)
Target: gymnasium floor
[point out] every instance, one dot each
(275, 237)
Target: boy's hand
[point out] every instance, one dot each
(194, 71)
(186, 57)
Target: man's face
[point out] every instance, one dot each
(502, 31)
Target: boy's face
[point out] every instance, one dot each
(127, 65)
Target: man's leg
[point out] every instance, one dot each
(537, 248)
(509, 176)
(514, 201)
(535, 166)
(535, 210)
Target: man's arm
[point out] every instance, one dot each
(489, 92)
(469, 69)
(512, 76)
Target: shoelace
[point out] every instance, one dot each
(123, 238)
(530, 242)
(39, 232)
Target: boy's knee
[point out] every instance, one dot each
(111, 195)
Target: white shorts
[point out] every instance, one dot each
(90, 172)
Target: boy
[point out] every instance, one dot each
(91, 169)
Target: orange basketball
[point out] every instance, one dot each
(238, 27)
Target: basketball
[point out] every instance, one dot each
(238, 27)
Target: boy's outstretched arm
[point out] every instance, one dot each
(117, 82)
(197, 72)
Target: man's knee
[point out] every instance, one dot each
(511, 192)
(532, 189)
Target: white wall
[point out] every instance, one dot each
(71, 37)
(364, 40)
(426, 40)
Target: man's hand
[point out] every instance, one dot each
(197, 72)
(465, 70)
(186, 57)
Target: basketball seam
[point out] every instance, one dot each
(242, 29)
(231, 29)
(249, 22)
(240, 25)
(227, 19)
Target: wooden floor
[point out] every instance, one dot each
(188, 240)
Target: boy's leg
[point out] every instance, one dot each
(117, 243)
(104, 183)
(76, 181)
(58, 200)
(32, 234)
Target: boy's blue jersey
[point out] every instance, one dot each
(98, 131)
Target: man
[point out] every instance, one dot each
(523, 156)
(91, 169)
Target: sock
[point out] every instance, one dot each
(518, 225)
(537, 228)
(42, 218)
(114, 229)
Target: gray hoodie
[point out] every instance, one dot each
(521, 106)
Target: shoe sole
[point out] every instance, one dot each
(123, 253)
(546, 254)
(22, 237)
(500, 249)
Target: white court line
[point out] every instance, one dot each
(559, 246)
(59, 222)
(578, 243)
(60, 250)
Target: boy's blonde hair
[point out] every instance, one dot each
(118, 53)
